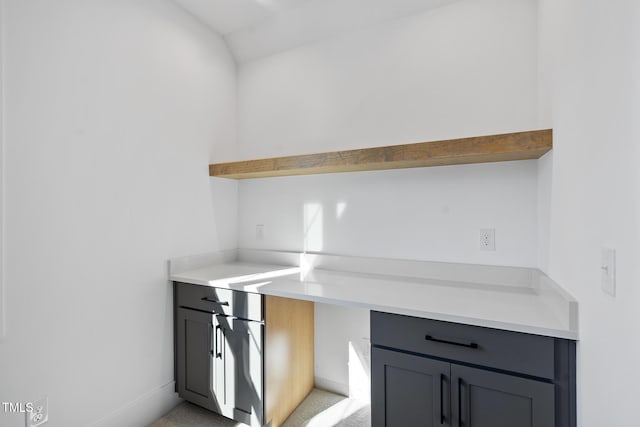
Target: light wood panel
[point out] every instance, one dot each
(480, 149)
(288, 356)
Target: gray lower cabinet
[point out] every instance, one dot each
(431, 373)
(218, 355)
(230, 347)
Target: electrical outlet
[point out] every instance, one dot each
(487, 239)
(259, 231)
(39, 413)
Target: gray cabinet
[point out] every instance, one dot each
(218, 354)
(431, 373)
(225, 362)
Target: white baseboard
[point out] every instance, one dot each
(332, 386)
(143, 410)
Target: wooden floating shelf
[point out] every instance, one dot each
(480, 149)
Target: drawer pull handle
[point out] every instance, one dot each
(218, 343)
(461, 344)
(460, 423)
(442, 418)
(213, 300)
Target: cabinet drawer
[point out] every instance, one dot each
(240, 304)
(495, 348)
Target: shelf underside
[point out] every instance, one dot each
(480, 149)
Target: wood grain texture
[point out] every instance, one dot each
(288, 356)
(481, 149)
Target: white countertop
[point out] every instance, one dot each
(539, 308)
(235, 275)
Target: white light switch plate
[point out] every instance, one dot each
(608, 268)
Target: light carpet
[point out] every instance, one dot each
(320, 409)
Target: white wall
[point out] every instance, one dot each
(466, 69)
(290, 24)
(590, 94)
(469, 68)
(2, 169)
(113, 109)
(424, 213)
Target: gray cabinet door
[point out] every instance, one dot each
(408, 390)
(237, 372)
(482, 398)
(194, 357)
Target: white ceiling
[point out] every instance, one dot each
(256, 28)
